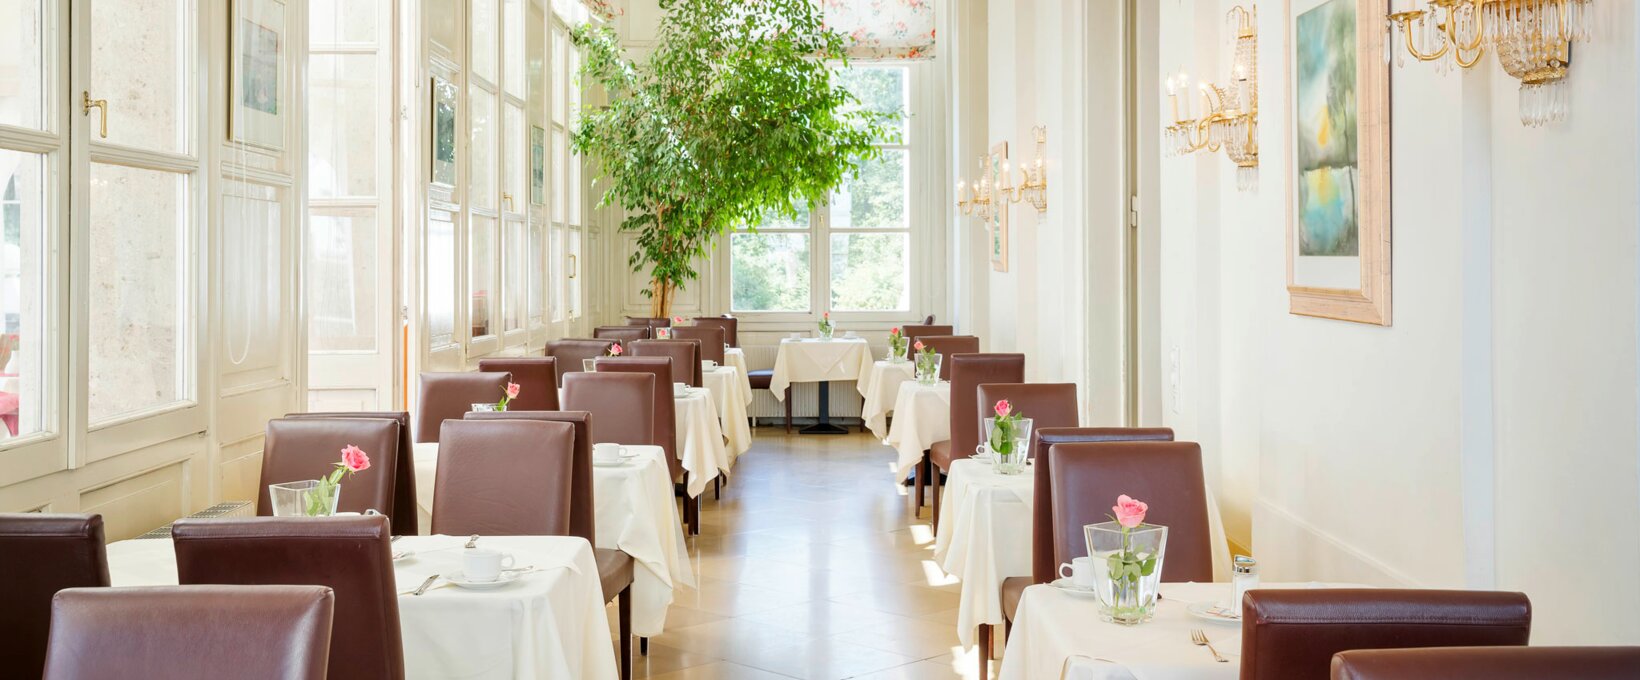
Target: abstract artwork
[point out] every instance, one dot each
(1338, 236)
(444, 132)
(258, 65)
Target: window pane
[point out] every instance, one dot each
(138, 329)
(512, 269)
(342, 21)
(878, 198)
(484, 39)
(538, 274)
(774, 220)
(574, 273)
(22, 221)
(881, 88)
(559, 176)
(341, 127)
(870, 272)
(441, 279)
(769, 272)
(515, 152)
(481, 273)
(22, 80)
(341, 273)
(560, 303)
(560, 66)
(482, 188)
(137, 65)
(514, 66)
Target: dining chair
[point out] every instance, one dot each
(968, 372)
(1086, 477)
(948, 346)
(350, 555)
(1294, 633)
(1048, 405)
(537, 378)
(571, 351)
(912, 331)
(504, 478)
(729, 324)
(298, 449)
(41, 554)
(685, 357)
(1488, 663)
(622, 334)
(446, 396)
(404, 513)
(202, 632)
(763, 379)
(533, 491)
(664, 420)
(652, 322)
(711, 340)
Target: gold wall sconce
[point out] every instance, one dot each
(1532, 38)
(995, 188)
(1230, 114)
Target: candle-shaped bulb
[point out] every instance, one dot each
(1172, 88)
(1241, 71)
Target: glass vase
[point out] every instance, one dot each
(928, 369)
(304, 499)
(896, 352)
(1012, 460)
(825, 332)
(1127, 569)
(484, 408)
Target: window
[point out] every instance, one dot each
(22, 224)
(565, 177)
(864, 234)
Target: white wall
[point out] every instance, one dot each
(1486, 439)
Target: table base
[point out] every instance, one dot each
(824, 426)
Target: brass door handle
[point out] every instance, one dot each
(87, 103)
(506, 197)
(574, 266)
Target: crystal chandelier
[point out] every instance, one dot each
(1231, 119)
(995, 190)
(982, 198)
(1533, 40)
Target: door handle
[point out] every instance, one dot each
(87, 103)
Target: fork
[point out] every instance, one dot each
(472, 542)
(1200, 638)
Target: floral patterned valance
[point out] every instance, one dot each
(884, 29)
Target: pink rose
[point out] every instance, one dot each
(894, 331)
(918, 346)
(615, 350)
(355, 459)
(512, 390)
(1130, 512)
(677, 321)
(1004, 408)
(826, 314)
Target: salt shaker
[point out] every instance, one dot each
(1245, 578)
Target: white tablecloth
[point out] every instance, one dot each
(700, 440)
(816, 360)
(880, 387)
(984, 536)
(724, 384)
(922, 416)
(550, 624)
(1058, 632)
(634, 513)
(735, 357)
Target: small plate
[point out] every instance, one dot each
(459, 580)
(610, 463)
(1212, 611)
(1065, 585)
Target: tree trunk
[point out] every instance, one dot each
(660, 298)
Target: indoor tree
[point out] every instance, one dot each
(736, 113)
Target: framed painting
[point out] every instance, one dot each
(444, 132)
(998, 225)
(257, 97)
(538, 165)
(1338, 191)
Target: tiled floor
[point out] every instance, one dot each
(812, 565)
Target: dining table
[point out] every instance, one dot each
(736, 357)
(880, 387)
(820, 360)
(984, 536)
(549, 623)
(700, 441)
(922, 417)
(634, 512)
(1059, 634)
(724, 383)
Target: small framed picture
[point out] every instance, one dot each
(444, 132)
(999, 217)
(538, 165)
(256, 112)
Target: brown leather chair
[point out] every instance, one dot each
(912, 331)
(969, 371)
(404, 514)
(763, 379)
(537, 379)
(729, 324)
(711, 340)
(1293, 634)
(190, 632)
(665, 420)
(622, 334)
(652, 322)
(685, 357)
(504, 478)
(351, 555)
(1048, 405)
(949, 345)
(1086, 478)
(1487, 663)
(447, 396)
(621, 404)
(298, 449)
(570, 352)
(41, 554)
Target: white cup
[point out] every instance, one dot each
(796, 336)
(680, 389)
(850, 334)
(1081, 572)
(607, 453)
(484, 565)
(708, 364)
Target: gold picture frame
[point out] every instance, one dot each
(997, 227)
(1338, 186)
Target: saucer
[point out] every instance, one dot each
(618, 462)
(459, 580)
(1212, 611)
(1065, 585)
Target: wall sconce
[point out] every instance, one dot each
(981, 198)
(995, 191)
(1231, 120)
(1533, 39)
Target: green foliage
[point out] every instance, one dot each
(736, 112)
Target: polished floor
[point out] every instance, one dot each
(812, 565)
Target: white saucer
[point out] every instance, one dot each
(1065, 585)
(459, 580)
(620, 462)
(1212, 612)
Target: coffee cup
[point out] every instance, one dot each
(608, 453)
(1081, 572)
(708, 364)
(796, 336)
(680, 389)
(483, 565)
